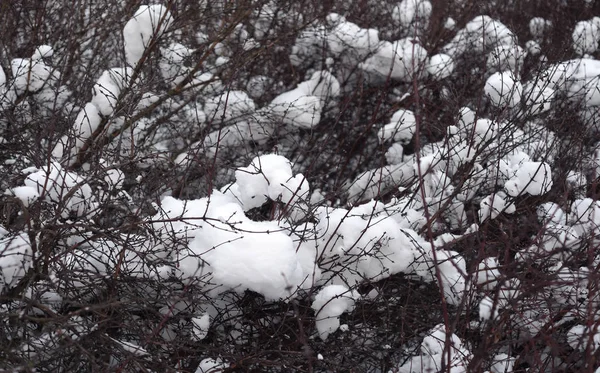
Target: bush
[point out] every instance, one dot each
(266, 186)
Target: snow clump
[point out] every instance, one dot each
(148, 23)
(503, 89)
(330, 302)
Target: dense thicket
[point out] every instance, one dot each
(316, 186)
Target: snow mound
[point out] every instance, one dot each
(149, 22)
(503, 89)
(64, 188)
(210, 365)
(231, 105)
(348, 36)
(534, 178)
(436, 353)
(400, 60)
(269, 177)
(412, 12)
(586, 37)
(249, 255)
(301, 107)
(401, 128)
(329, 304)
(480, 34)
(16, 257)
(440, 66)
(26, 194)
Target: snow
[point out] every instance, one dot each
(115, 178)
(435, 354)
(377, 244)
(42, 51)
(400, 60)
(440, 66)
(239, 254)
(452, 270)
(409, 12)
(16, 257)
(538, 97)
(503, 363)
(248, 255)
(230, 106)
(297, 109)
(202, 37)
(257, 86)
(26, 194)
(533, 48)
(487, 274)
(131, 348)
(586, 37)
(86, 123)
(348, 36)
(210, 365)
(2, 78)
(29, 75)
(269, 177)
(265, 232)
(534, 178)
(479, 34)
(62, 187)
(394, 154)
(148, 23)
(578, 338)
(172, 61)
(200, 326)
(493, 205)
(579, 78)
(484, 131)
(329, 304)
(107, 89)
(308, 44)
(322, 85)
(551, 213)
(486, 306)
(506, 58)
(503, 89)
(401, 128)
(301, 107)
(539, 26)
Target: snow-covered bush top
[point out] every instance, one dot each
(197, 186)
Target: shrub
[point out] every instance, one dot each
(364, 186)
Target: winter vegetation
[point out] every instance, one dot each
(319, 186)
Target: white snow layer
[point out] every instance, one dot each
(412, 12)
(586, 37)
(400, 60)
(480, 34)
(440, 66)
(231, 105)
(16, 258)
(149, 22)
(401, 128)
(26, 194)
(210, 365)
(534, 178)
(330, 302)
(64, 188)
(503, 89)
(269, 177)
(437, 349)
(302, 106)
